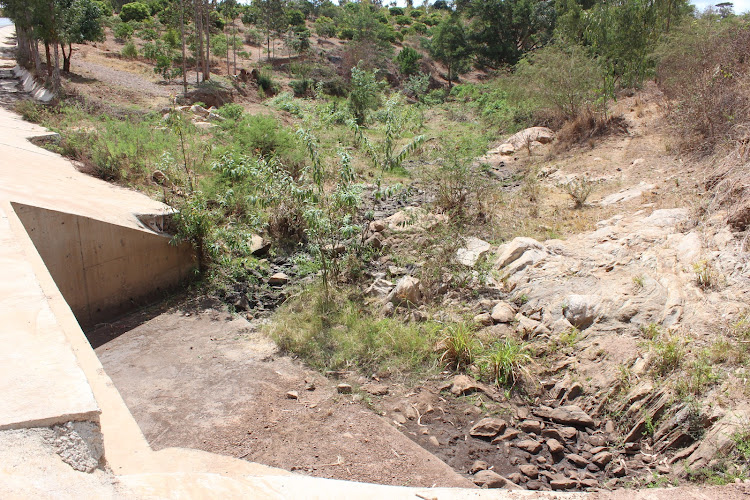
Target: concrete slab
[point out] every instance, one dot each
(41, 381)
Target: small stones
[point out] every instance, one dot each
(434, 441)
(529, 445)
(488, 428)
(568, 432)
(344, 388)
(577, 460)
(292, 395)
(534, 485)
(529, 471)
(477, 466)
(549, 432)
(619, 470)
(399, 418)
(516, 477)
(555, 447)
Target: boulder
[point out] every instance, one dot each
(199, 111)
(407, 291)
(531, 426)
(542, 135)
(258, 245)
(477, 466)
(344, 388)
(472, 252)
(719, 440)
(503, 312)
(376, 389)
(506, 149)
(577, 460)
(581, 310)
(602, 459)
(488, 428)
(570, 415)
(483, 319)
(514, 249)
(563, 484)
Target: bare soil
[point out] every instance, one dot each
(199, 377)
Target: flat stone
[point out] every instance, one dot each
(570, 415)
(376, 389)
(531, 426)
(292, 395)
(563, 484)
(508, 435)
(513, 250)
(577, 460)
(344, 388)
(278, 279)
(483, 319)
(529, 445)
(490, 479)
(488, 428)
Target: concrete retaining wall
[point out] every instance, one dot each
(102, 269)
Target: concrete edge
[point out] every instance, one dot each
(32, 85)
(92, 416)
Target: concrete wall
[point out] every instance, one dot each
(103, 269)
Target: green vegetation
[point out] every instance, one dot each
(506, 361)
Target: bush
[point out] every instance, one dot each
(563, 80)
(703, 66)
(396, 11)
(403, 20)
(129, 51)
(253, 37)
(231, 111)
(325, 27)
(365, 94)
(266, 83)
(408, 61)
(579, 190)
(134, 11)
(123, 31)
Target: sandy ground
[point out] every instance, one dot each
(204, 379)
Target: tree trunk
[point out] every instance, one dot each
(56, 71)
(199, 38)
(66, 58)
(207, 28)
(37, 57)
(48, 55)
(182, 41)
(226, 37)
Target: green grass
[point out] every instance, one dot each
(506, 361)
(347, 336)
(460, 346)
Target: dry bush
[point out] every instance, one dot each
(704, 69)
(729, 185)
(589, 125)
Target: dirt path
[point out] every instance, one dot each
(204, 379)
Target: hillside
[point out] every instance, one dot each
(541, 283)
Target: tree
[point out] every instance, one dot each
(134, 11)
(450, 47)
(408, 61)
(271, 19)
(503, 30)
(82, 23)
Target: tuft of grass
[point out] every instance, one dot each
(460, 346)
(706, 275)
(697, 377)
(669, 352)
(507, 361)
(651, 331)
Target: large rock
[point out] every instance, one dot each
(581, 310)
(489, 479)
(569, 415)
(488, 428)
(529, 135)
(530, 445)
(719, 440)
(472, 252)
(407, 291)
(503, 312)
(514, 249)
(278, 279)
(380, 288)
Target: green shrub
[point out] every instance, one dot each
(325, 27)
(231, 111)
(129, 51)
(408, 61)
(365, 94)
(396, 11)
(266, 83)
(134, 11)
(123, 31)
(403, 20)
(460, 346)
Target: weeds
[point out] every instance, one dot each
(706, 275)
(507, 361)
(579, 189)
(461, 346)
(669, 353)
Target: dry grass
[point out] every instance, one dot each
(588, 126)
